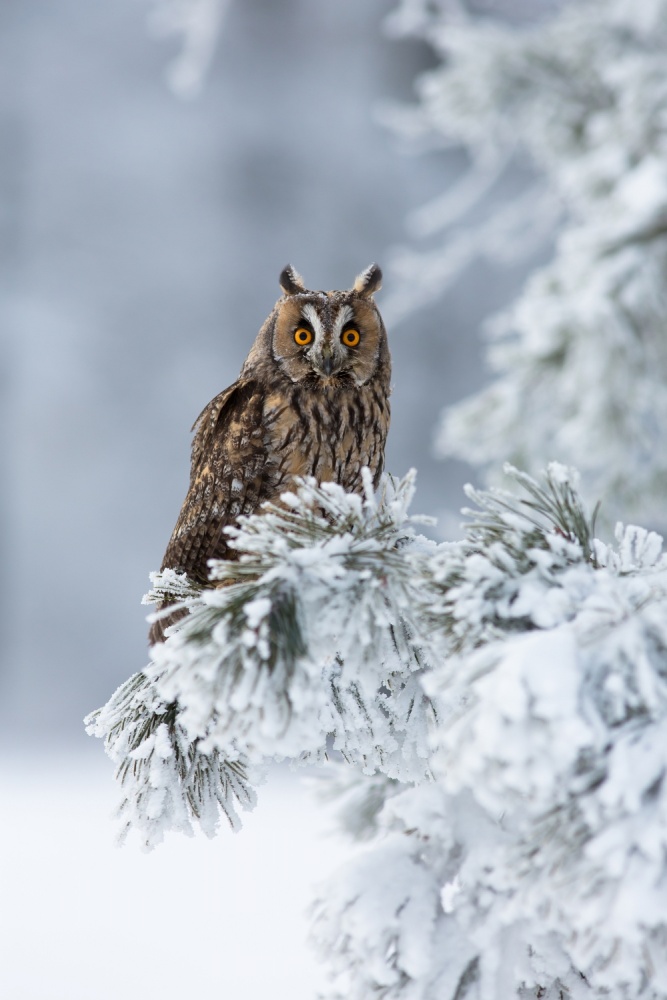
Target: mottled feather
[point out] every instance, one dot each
(320, 409)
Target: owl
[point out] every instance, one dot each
(312, 399)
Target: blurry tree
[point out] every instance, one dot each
(196, 24)
(580, 360)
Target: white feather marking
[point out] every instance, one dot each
(310, 313)
(343, 317)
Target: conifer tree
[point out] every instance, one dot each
(496, 714)
(580, 359)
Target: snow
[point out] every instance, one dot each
(579, 358)
(84, 920)
(259, 686)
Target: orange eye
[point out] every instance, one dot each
(351, 338)
(303, 336)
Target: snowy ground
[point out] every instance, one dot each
(83, 920)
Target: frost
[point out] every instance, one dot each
(496, 711)
(168, 782)
(307, 640)
(580, 359)
(543, 833)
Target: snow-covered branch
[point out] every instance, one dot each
(308, 639)
(168, 780)
(534, 863)
(499, 708)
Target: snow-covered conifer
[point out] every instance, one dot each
(580, 360)
(499, 708)
(534, 863)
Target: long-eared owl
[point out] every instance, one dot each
(312, 399)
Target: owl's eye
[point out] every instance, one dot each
(351, 338)
(303, 336)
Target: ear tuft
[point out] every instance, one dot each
(291, 281)
(369, 281)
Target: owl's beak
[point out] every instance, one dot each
(327, 364)
(325, 360)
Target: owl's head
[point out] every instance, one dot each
(325, 338)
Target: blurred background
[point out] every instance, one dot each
(141, 240)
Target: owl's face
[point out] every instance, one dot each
(326, 338)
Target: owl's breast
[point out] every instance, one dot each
(330, 434)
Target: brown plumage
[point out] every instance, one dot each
(312, 399)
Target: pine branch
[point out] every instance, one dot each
(168, 781)
(306, 638)
(499, 704)
(471, 592)
(553, 507)
(541, 835)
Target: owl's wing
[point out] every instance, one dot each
(208, 421)
(228, 467)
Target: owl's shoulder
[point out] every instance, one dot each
(232, 413)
